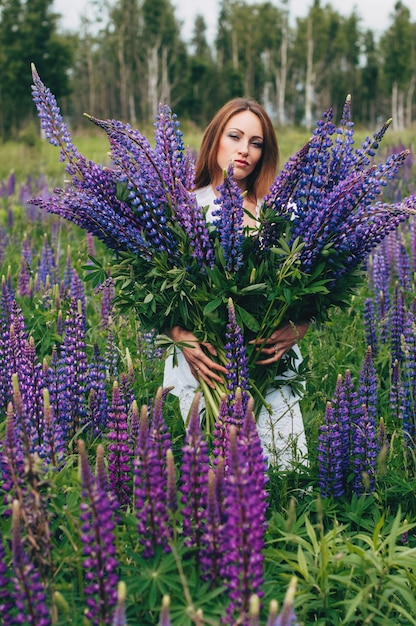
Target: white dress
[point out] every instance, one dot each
(281, 432)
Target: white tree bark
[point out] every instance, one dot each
(310, 77)
(281, 75)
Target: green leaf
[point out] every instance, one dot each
(212, 306)
(245, 319)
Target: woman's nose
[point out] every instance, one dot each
(244, 149)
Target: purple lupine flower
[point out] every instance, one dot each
(134, 425)
(120, 453)
(111, 356)
(139, 171)
(68, 272)
(50, 377)
(383, 441)
(12, 459)
(23, 288)
(330, 474)
(164, 619)
(90, 244)
(397, 321)
(54, 440)
(397, 394)
(220, 433)
(102, 477)
(73, 370)
(403, 268)
(278, 200)
(99, 546)
(368, 386)
(347, 401)
(194, 478)
(339, 192)
(169, 149)
(409, 377)
(381, 276)
(237, 360)
(190, 217)
(98, 401)
(343, 157)
(59, 324)
(77, 291)
(171, 490)
(31, 385)
(242, 538)
(150, 475)
(108, 293)
(91, 201)
(11, 184)
(47, 269)
(3, 243)
(29, 593)
(126, 384)
(52, 124)
(364, 452)
(412, 233)
(370, 325)
(210, 552)
(228, 220)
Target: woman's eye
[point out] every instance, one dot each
(257, 144)
(234, 136)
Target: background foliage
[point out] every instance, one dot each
(132, 56)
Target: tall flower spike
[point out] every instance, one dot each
(194, 478)
(29, 593)
(73, 370)
(98, 538)
(364, 453)
(119, 617)
(120, 453)
(54, 442)
(330, 455)
(150, 488)
(210, 553)
(192, 220)
(229, 221)
(243, 533)
(237, 360)
(141, 182)
(52, 123)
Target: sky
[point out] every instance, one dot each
(375, 14)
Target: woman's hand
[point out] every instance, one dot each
(199, 362)
(281, 341)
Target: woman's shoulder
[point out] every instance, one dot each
(205, 196)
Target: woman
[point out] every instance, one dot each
(241, 133)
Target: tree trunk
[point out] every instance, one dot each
(281, 76)
(409, 100)
(394, 106)
(123, 73)
(309, 81)
(152, 80)
(165, 85)
(235, 49)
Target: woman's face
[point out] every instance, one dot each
(241, 143)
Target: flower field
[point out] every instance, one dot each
(112, 514)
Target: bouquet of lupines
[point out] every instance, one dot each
(319, 222)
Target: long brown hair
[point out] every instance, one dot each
(207, 169)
